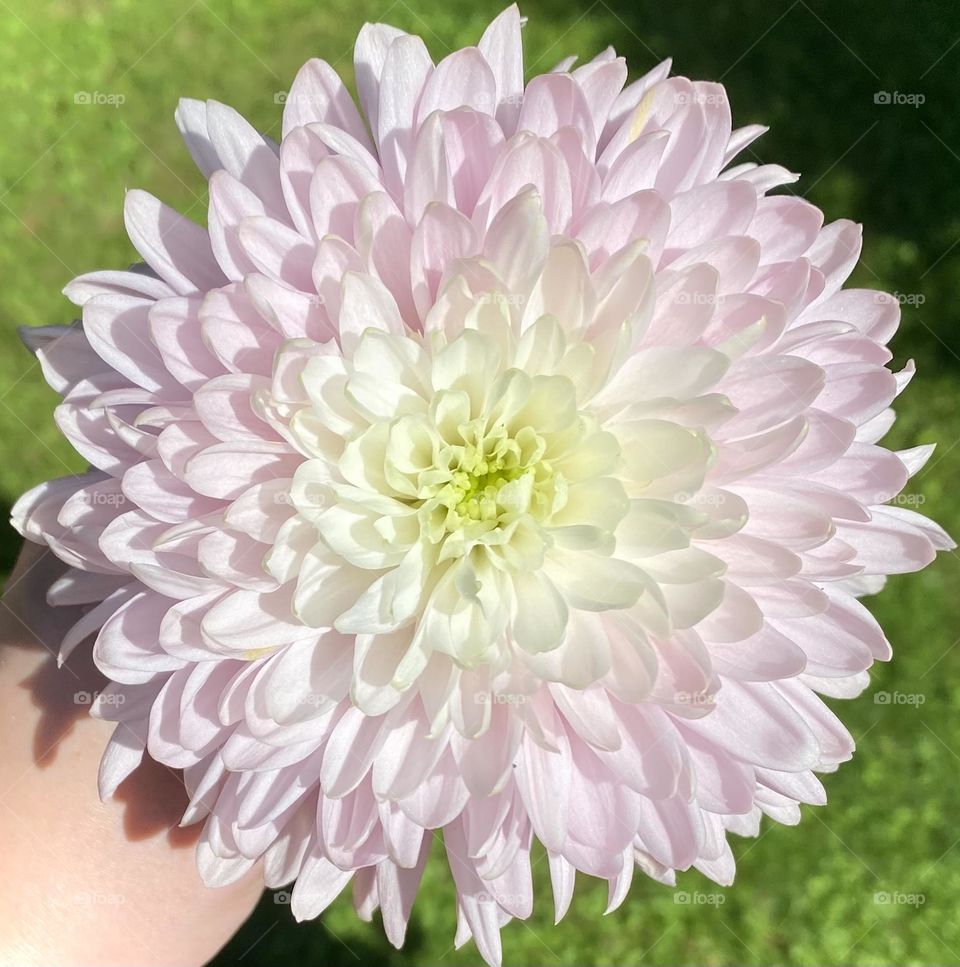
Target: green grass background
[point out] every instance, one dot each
(804, 895)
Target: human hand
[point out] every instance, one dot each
(88, 882)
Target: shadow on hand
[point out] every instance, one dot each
(153, 795)
(154, 799)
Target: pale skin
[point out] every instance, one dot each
(87, 882)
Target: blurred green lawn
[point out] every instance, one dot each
(804, 895)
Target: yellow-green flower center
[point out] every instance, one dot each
(474, 495)
(494, 477)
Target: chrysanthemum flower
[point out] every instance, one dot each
(499, 464)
